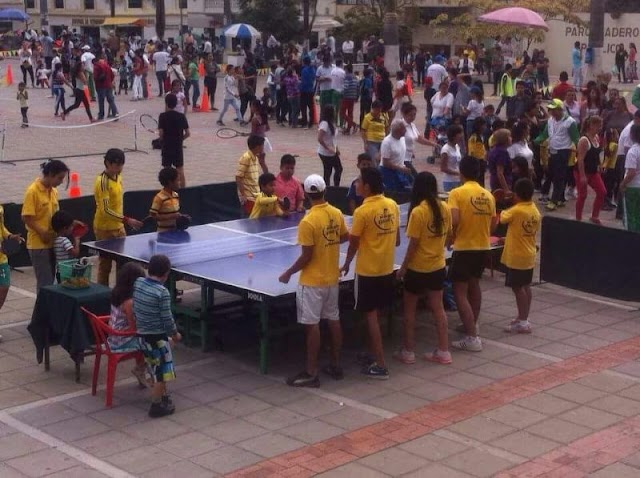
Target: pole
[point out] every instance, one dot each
(596, 35)
(181, 27)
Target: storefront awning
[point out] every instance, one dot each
(111, 21)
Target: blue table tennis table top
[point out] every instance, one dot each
(245, 255)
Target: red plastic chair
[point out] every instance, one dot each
(101, 331)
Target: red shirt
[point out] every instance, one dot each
(560, 91)
(291, 189)
(102, 75)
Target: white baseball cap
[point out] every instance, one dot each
(86, 48)
(314, 184)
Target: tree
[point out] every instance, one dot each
(309, 13)
(161, 19)
(464, 25)
(227, 12)
(280, 18)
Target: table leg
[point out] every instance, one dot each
(206, 304)
(47, 363)
(264, 338)
(78, 359)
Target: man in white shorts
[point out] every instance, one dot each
(320, 234)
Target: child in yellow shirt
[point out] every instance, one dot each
(476, 148)
(267, 203)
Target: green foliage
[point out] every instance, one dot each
(280, 18)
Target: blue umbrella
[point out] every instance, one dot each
(13, 14)
(242, 31)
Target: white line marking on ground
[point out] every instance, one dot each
(498, 452)
(57, 444)
(522, 350)
(15, 324)
(23, 292)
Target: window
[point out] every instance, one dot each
(59, 3)
(89, 4)
(30, 3)
(135, 3)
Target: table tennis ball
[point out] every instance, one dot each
(250, 255)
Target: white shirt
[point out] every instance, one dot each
(337, 79)
(331, 43)
(230, 87)
(394, 150)
(325, 72)
(329, 138)
(410, 139)
(633, 162)
(453, 161)
(25, 56)
(161, 59)
(475, 109)
(624, 141)
(469, 64)
(437, 73)
(440, 103)
(521, 149)
(87, 58)
(347, 46)
(180, 105)
(208, 47)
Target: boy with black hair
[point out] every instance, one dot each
(248, 172)
(519, 254)
(267, 203)
(173, 129)
(473, 215)
(62, 223)
(156, 328)
(165, 208)
(374, 236)
(320, 234)
(288, 186)
(354, 201)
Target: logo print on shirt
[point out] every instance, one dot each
(331, 232)
(481, 203)
(530, 225)
(385, 221)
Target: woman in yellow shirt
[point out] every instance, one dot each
(476, 147)
(423, 268)
(39, 205)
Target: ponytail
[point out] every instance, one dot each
(425, 188)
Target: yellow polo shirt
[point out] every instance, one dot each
(108, 194)
(265, 206)
(4, 233)
(429, 255)
(476, 149)
(520, 244)
(249, 171)
(321, 229)
(164, 204)
(477, 208)
(376, 223)
(41, 203)
(376, 128)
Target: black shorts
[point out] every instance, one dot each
(518, 277)
(419, 282)
(467, 265)
(173, 157)
(374, 292)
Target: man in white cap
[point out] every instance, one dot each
(87, 63)
(320, 234)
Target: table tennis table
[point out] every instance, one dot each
(243, 257)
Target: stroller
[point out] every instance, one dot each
(439, 134)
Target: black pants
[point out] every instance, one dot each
(496, 81)
(306, 108)
(80, 98)
(245, 99)
(482, 172)
(537, 167)
(620, 67)
(282, 105)
(25, 120)
(329, 164)
(365, 107)
(558, 170)
(420, 75)
(211, 84)
(25, 70)
(161, 75)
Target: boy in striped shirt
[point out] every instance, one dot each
(156, 329)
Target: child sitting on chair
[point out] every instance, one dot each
(62, 223)
(122, 318)
(267, 203)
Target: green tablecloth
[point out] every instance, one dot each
(57, 313)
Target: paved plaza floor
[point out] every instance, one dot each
(561, 402)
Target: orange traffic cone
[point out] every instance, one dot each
(86, 93)
(74, 188)
(9, 75)
(316, 113)
(201, 69)
(204, 102)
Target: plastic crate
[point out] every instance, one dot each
(75, 273)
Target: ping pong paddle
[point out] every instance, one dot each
(11, 246)
(499, 194)
(183, 222)
(286, 203)
(79, 230)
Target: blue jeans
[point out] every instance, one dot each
(294, 110)
(196, 92)
(234, 104)
(58, 92)
(373, 150)
(395, 180)
(106, 93)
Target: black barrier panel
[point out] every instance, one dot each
(337, 197)
(137, 205)
(13, 222)
(219, 202)
(81, 209)
(590, 258)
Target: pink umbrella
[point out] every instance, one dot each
(517, 16)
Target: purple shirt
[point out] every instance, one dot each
(291, 86)
(499, 156)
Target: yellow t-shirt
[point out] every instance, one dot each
(322, 228)
(4, 233)
(265, 206)
(477, 208)
(429, 255)
(108, 195)
(476, 148)
(164, 204)
(249, 171)
(376, 223)
(40, 202)
(520, 245)
(492, 141)
(376, 128)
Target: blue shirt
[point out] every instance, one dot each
(307, 79)
(576, 58)
(152, 308)
(352, 196)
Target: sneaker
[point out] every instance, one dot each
(571, 192)
(543, 199)
(303, 379)
(595, 220)
(219, 123)
(561, 203)
(168, 403)
(334, 372)
(365, 358)
(158, 410)
(438, 356)
(376, 371)
(405, 356)
(551, 206)
(518, 327)
(471, 344)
